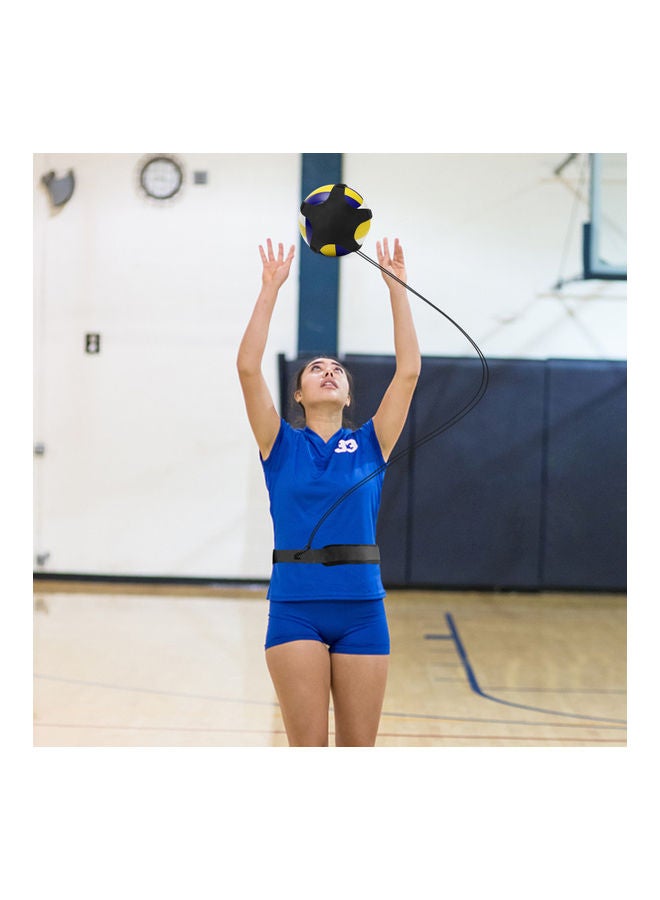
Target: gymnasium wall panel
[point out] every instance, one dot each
(585, 510)
(477, 487)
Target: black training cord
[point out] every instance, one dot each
(427, 437)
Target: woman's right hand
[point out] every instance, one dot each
(275, 268)
(394, 262)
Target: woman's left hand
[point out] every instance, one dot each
(393, 262)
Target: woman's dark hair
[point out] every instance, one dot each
(299, 410)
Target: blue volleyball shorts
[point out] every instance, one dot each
(344, 626)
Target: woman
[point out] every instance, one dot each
(327, 631)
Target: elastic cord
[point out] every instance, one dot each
(472, 402)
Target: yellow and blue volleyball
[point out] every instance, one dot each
(332, 220)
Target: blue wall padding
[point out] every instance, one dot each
(477, 487)
(526, 492)
(585, 508)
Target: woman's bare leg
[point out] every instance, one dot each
(300, 671)
(358, 687)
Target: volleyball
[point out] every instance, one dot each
(333, 221)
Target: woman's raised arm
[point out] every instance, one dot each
(262, 415)
(393, 410)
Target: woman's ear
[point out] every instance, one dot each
(297, 396)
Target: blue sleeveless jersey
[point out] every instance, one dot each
(304, 477)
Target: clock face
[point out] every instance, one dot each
(161, 177)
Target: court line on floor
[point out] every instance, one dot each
(535, 690)
(443, 737)
(506, 737)
(274, 704)
(474, 684)
(545, 724)
(181, 694)
(157, 728)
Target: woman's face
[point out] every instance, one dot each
(323, 380)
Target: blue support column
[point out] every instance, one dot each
(318, 308)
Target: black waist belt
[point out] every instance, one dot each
(331, 555)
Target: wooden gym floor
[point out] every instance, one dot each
(135, 666)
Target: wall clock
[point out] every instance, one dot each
(161, 177)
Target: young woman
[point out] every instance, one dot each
(327, 631)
